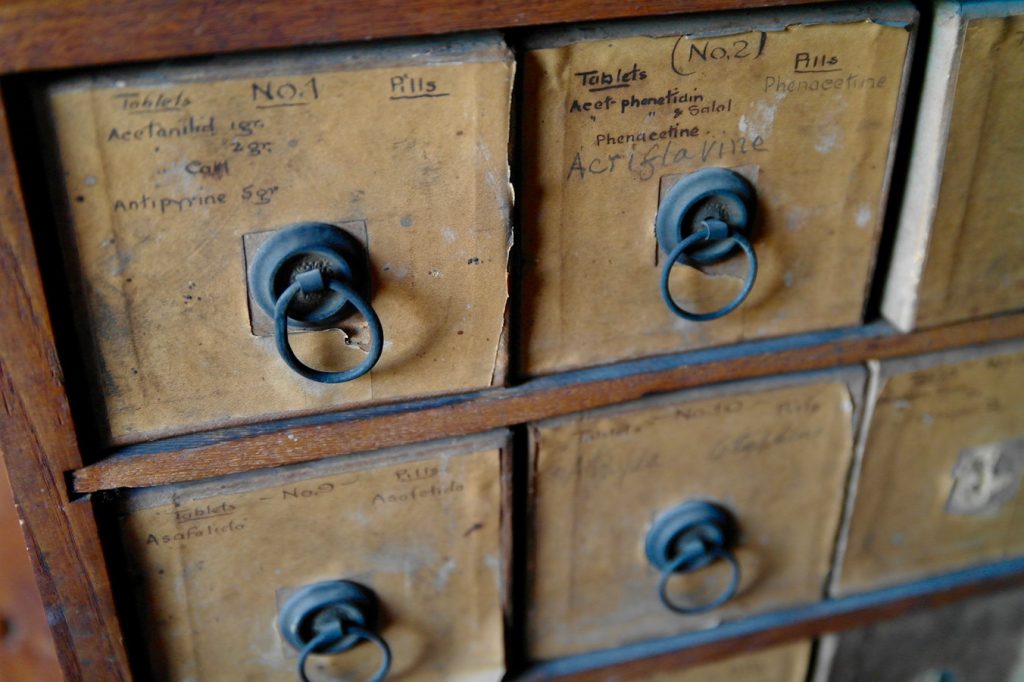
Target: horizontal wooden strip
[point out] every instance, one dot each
(302, 440)
(40, 34)
(648, 658)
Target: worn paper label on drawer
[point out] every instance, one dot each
(213, 563)
(967, 262)
(168, 170)
(805, 112)
(776, 456)
(939, 481)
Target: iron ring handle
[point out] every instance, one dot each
(687, 557)
(329, 637)
(360, 303)
(678, 254)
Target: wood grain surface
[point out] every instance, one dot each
(26, 647)
(44, 34)
(38, 444)
(216, 455)
(787, 663)
(634, 662)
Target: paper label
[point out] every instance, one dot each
(166, 171)
(939, 483)
(212, 565)
(777, 459)
(806, 112)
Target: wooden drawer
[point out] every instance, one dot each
(804, 104)
(981, 640)
(775, 453)
(937, 485)
(211, 564)
(958, 250)
(175, 176)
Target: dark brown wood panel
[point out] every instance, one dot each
(38, 443)
(26, 647)
(40, 34)
(538, 399)
(807, 627)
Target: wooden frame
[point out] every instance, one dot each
(37, 435)
(37, 35)
(299, 440)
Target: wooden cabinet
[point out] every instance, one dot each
(79, 482)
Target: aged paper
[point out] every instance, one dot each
(167, 169)
(777, 457)
(962, 252)
(212, 564)
(940, 477)
(610, 113)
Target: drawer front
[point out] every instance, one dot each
(981, 640)
(958, 250)
(774, 454)
(938, 484)
(779, 664)
(176, 176)
(214, 564)
(803, 105)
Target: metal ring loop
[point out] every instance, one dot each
(678, 255)
(687, 557)
(324, 640)
(288, 355)
(330, 637)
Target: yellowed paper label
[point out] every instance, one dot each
(777, 459)
(807, 113)
(939, 487)
(213, 563)
(167, 170)
(972, 266)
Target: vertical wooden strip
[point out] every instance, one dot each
(26, 647)
(38, 444)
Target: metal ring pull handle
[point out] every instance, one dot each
(332, 617)
(701, 220)
(677, 566)
(310, 276)
(687, 538)
(312, 282)
(330, 637)
(710, 231)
